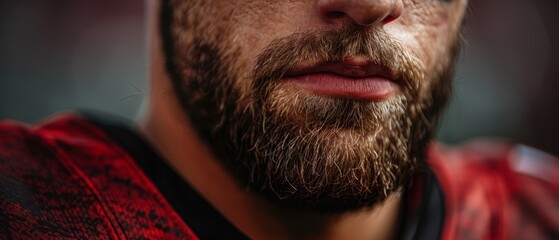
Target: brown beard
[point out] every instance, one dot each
(296, 149)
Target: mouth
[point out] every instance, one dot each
(351, 78)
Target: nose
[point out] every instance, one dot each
(361, 12)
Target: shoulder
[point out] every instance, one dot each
(49, 148)
(66, 178)
(41, 150)
(48, 138)
(42, 193)
(498, 190)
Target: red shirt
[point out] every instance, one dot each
(67, 178)
(498, 191)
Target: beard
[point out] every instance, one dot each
(300, 150)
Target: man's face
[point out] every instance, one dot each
(325, 105)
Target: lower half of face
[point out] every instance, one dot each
(289, 138)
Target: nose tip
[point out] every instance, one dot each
(361, 12)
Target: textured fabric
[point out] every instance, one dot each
(498, 191)
(66, 179)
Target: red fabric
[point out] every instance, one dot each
(498, 191)
(66, 179)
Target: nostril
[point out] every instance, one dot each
(389, 19)
(335, 14)
(361, 12)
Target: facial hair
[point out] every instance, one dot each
(300, 150)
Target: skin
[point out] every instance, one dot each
(427, 29)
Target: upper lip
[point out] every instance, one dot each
(349, 67)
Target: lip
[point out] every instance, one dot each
(352, 78)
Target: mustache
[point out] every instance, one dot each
(374, 44)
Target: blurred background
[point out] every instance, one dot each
(57, 55)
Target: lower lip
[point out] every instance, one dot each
(328, 84)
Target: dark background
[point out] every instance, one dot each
(65, 54)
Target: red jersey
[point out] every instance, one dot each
(68, 179)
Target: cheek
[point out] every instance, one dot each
(424, 30)
(429, 29)
(255, 24)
